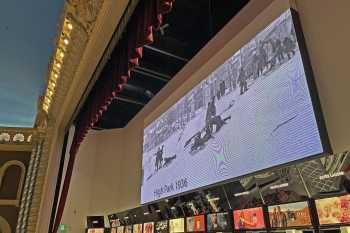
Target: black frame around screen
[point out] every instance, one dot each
(315, 100)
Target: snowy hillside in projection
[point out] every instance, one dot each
(251, 113)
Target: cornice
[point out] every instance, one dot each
(73, 33)
(17, 139)
(76, 25)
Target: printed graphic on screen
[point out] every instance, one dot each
(113, 230)
(289, 215)
(161, 227)
(195, 223)
(120, 229)
(253, 112)
(333, 210)
(96, 230)
(281, 186)
(252, 218)
(137, 228)
(328, 174)
(217, 222)
(177, 225)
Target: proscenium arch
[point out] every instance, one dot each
(3, 170)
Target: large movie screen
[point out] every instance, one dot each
(290, 215)
(334, 210)
(252, 218)
(253, 112)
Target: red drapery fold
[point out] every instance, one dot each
(139, 32)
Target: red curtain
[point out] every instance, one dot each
(139, 32)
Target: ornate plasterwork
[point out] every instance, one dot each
(85, 11)
(16, 136)
(3, 169)
(75, 27)
(78, 19)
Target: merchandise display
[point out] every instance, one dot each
(195, 223)
(137, 228)
(114, 222)
(252, 218)
(258, 102)
(148, 227)
(96, 230)
(334, 210)
(290, 215)
(161, 227)
(120, 229)
(128, 229)
(217, 222)
(177, 225)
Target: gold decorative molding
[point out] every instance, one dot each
(4, 226)
(75, 27)
(3, 169)
(16, 136)
(78, 19)
(85, 12)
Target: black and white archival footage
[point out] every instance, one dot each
(253, 112)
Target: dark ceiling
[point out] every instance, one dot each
(185, 30)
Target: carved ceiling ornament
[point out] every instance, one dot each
(86, 11)
(16, 136)
(77, 23)
(75, 27)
